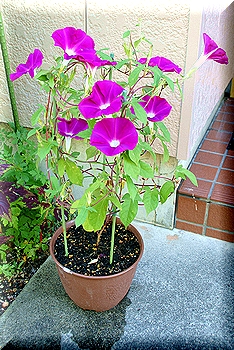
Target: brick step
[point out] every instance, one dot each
(209, 208)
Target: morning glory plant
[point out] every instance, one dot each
(97, 136)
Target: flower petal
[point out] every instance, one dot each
(70, 128)
(213, 52)
(157, 108)
(162, 63)
(112, 136)
(34, 61)
(74, 42)
(105, 99)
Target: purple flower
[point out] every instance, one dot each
(213, 52)
(105, 99)
(157, 108)
(162, 63)
(75, 43)
(112, 136)
(70, 128)
(34, 61)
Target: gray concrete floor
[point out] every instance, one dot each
(181, 298)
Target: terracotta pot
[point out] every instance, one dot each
(98, 293)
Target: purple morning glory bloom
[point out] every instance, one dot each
(75, 43)
(105, 99)
(112, 136)
(34, 61)
(157, 108)
(70, 128)
(213, 52)
(162, 63)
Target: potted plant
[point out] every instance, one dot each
(101, 118)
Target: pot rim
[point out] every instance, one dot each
(70, 224)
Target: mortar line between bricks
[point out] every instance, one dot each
(205, 218)
(217, 174)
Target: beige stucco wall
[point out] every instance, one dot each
(202, 93)
(175, 28)
(29, 24)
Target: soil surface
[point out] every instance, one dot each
(90, 258)
(11, 287)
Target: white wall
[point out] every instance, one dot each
(204, 92)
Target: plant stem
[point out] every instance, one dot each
(64, 231)
(7, 71)
(112, 238)
(114, 212)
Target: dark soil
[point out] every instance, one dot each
(89, 258)
(11, 287)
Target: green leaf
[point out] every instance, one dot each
(74, 173)
(135, 154)
(42, 75)
(146, 170)
(103, 55)
(32, 132)
(75, 205)
(61, 166)
(131, 168)
(165, 153)
(164, 131)
(132, 189)
(126, 34)
(51, 81)
(85, 133)
(150, 199)
(134, 75)
(75, 154)
(169, 82)
(121, 63)
(115, 201)
(55, 183)
(146, 147)
(166, 190)
(139, 111)
(74, 111)
(44, 148)
(95, 220)
(157, 75)
(81, 217)
(91, 152)
(183, 173)
(36, 115)
(129, 210)
(137, 42)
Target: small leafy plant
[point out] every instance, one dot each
(98, 126)
(25, 213)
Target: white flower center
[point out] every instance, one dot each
(150, 115)
(70, 52)
(114, 143)
(104, 106)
